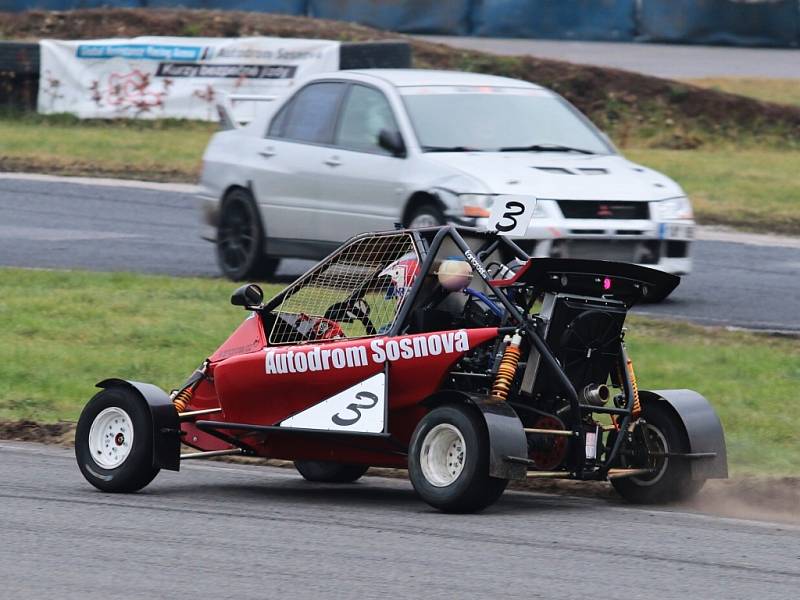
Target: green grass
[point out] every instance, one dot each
(753, 189)
(782, 91)
(168, 149)
(61, 331)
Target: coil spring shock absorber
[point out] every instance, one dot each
(637, 407)
(507, 368)
(182, 397)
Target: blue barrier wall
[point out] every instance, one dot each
(288, 7)
(732, 22)
(450, 17)
(774, 23)
(556, 19)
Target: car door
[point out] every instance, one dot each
(292, 155)
(363, 189)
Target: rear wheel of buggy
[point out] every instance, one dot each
(329, 472)
(448, 461)
(114, 442)
(671, 480)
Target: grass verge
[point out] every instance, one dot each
(781, 91)
(748, 188)
(81, 327)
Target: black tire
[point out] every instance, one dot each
(136, 470)
(240, 239)
(329, 472)
(472, 489)
(673, 481)
(430, 213)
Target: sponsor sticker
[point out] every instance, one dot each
(376, 352)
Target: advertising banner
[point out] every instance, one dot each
(159, 77)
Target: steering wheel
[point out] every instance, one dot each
(352, 309)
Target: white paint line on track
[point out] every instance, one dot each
(184, 188)
(723, 234)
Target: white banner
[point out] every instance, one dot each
(155, 77)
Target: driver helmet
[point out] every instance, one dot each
(401, 274)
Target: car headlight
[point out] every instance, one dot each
(476, 205)
(480, 205)
(674, 208)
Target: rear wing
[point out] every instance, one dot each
(227, 115)
(624, 281)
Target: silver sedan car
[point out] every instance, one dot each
(355, 151)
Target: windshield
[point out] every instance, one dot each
(457, 119)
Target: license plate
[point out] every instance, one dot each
(675, 231)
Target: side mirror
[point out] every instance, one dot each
(393, 142)
(249, 295)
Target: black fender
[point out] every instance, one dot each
(703, 430)
(507, 438)
(164, 416)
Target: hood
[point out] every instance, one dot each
(559, 176)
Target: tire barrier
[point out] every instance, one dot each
(724, 22)
(19, 74)
(19, 66)
(609, 20)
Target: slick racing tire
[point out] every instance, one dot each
(671, 480)
(114, 442)
(448, 461)
(426, 215)
(240, 239)
(329, 472)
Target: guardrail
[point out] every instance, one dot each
(19, 66)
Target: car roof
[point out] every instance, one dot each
(415, 77)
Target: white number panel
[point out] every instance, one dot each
(511, 215)
(358, 408)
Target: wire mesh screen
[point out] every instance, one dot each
(355, 293)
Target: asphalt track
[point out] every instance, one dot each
(57, 223)
(662, 60)
(237, 531)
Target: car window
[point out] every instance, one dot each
(497, 118)
(366, 111)
(311, 114)
(278, 121)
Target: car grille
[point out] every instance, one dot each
(645, 252)
(592, 209)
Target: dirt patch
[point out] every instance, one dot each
(757, 498)
(629, 105)
(61, 433)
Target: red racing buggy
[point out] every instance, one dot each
(446, 351)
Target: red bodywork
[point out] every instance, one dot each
(238, 382)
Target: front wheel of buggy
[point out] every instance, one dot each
(448, 461)
(329, 472)
(671, 478)
(114, 442)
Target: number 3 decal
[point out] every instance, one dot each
(511, 215)
(354, 406)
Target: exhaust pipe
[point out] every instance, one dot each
(595, 394)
